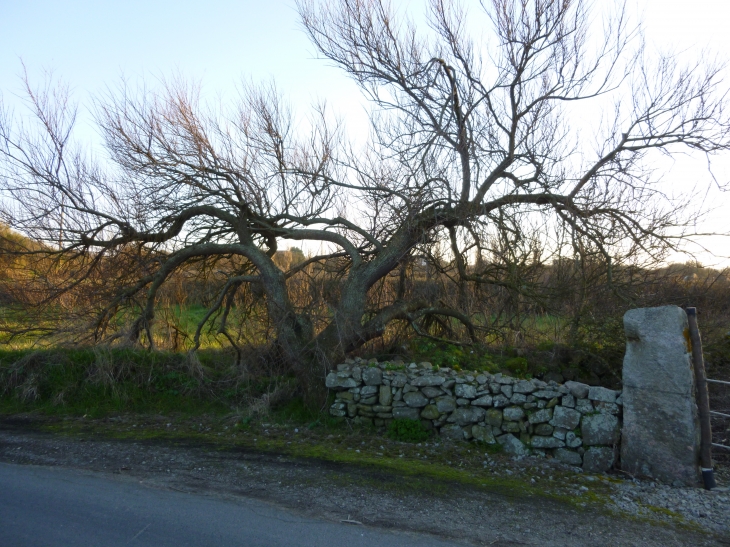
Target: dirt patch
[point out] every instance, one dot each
(479, 513)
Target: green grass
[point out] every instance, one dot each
(410, 431)
(97, 382)
(175, 321)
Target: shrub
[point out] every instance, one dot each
(410, 431)
(516, 365)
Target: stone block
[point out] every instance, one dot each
(513, 414)
(598, 459)
(333, 381)
(500, 401)
(415, 399)
(406, 412)
(568, 456)
(357, 374)
(428, 380)
(453, 432)
(541, 416)
(483, 434)
(660, 436)
(506, 391)
(467, 416)
(546, 394)
(597, 393)
(606, 408)
(430, 412)
(573, 440)
(512, 445)
(372, 376)
(577, 389)
(465, 391)
(567, 418)
(399, 379)
(584, 406)
(368, 391)
(524, 386)
(493, 417)
(546, 442)
(504, 380)
(446, 404)
(431, 392)
(600, 429)
(484, 400)
(568, 401)
(544, 429)
(385, 395)
(518, 399)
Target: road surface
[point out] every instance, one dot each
(42, 506)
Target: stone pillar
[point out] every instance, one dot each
(661, 435)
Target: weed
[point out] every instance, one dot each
(410, 431)
(516, 365)
(102, 380)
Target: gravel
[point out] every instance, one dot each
(635, 512)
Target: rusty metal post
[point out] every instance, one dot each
(703, 401)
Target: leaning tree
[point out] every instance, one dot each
(516, 113)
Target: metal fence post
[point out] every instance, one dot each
(703, 401)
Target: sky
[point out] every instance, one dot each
(90, 44)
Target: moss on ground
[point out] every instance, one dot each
(427, 467)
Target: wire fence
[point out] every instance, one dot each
(720, 414)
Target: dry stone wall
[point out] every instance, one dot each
(573, 422)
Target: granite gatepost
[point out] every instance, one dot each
(661, 435)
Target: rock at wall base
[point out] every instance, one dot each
(600, 429)
(483, 434)
(512, 445)
(452, 432)
(598, 459)
(569, 457)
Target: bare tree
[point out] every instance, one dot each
(472, 143)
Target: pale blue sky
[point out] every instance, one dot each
(90, 43)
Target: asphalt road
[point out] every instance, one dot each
(58, 507)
